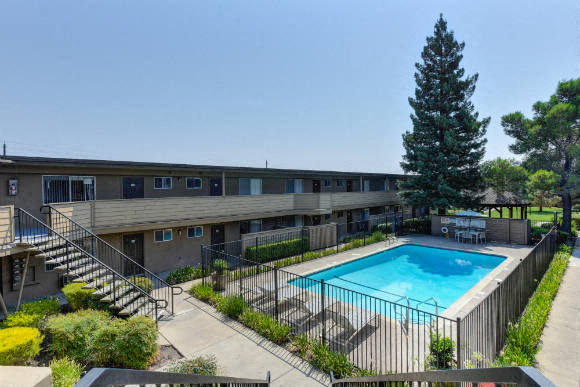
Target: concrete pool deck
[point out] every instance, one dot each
(462, 306)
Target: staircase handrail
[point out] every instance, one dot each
(20, 210)
(51, 208)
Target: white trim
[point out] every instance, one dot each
(194, 177)
(163, 177)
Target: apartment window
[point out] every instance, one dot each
(195, 232)
(340, 214)
(327, 183)
(364, 214)
(163, 183)
(250, 226)
(294, 186)
(250, 186)
(340, 183)
(366, 185)
(57, 189)
(193, 183)
(163, 235)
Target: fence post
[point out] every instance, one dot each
(364, 237)
(323, 311)
(257, 252)
(276, 293)
(458, 342)
(337, 238)
(302, 244)
(19, 225)
(202, 265)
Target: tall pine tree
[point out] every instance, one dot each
(446, 146)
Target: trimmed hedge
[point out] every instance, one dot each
(276, 250)
(524, 335)
(33, 314)
(19, 344)
(79, 298)
(417, 226)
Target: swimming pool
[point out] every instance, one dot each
(417, 272)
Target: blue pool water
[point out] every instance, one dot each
(417, 272)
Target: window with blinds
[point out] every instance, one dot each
(56, 189)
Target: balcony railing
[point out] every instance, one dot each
(124, 214)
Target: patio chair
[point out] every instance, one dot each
(307, 311)
(354, 324)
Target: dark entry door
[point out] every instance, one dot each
(133, 188)
(215, 187)
(315, 186)
(349, 186)
(349, 221)
(218, 234)
(133, 247)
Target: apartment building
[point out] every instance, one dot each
(160, 214)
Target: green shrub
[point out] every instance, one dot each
(77, 297)
(327, 360)
(19, 344)
(440, 352)
(231, 306)
(33, 314)
(205, 293)
(219, 266)
(265, 326)
(203, 365)
(184, 274)
(136, 346)
(65, 372)
(102, 343)
(417, 226)
(143, 282)
(275, 250)
(523, 336)
(71, 333)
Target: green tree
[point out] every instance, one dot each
(552, 139)
(445, 148)
(543, 187)
(505, 175)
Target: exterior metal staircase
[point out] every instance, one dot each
(81, 256)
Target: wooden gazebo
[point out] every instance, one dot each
(493, 200)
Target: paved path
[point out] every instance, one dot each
(198, 329)
(559, 355)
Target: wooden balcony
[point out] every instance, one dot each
(106, 216)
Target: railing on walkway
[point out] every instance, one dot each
(109, 255)
(374, 333)
(36, 233)
(483, 329)
(114, 377)
(507, 376)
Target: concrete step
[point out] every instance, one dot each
(63, 258)
(99, 282)
(84, 270)
(110, 295)
(122, 302)
(136, 306)
(20, 376)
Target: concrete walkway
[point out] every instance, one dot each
(198, 329)
(559, 355)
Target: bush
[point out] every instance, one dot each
(65, 372)
(203, 365)
(417, 226)
(19, 344)
(276, 250)
(136, 345)
(184, 274)
(265, 326)
(204, 293)
(71, 333)
(143, 282)
(327, 360)
(440, 352)
(231, 306)
(219, 266)
(33, 314)
(523, 336)
(77, 297)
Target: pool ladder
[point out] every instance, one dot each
(405, 319)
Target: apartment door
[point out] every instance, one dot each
(133, 247)
(133, 187)
(349, 186)
(315, 186)
(215, 187)
(218, 234)
(349, 221)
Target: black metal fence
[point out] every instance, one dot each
(373, 333)
(483, 330)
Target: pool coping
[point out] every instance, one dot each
(460, 307)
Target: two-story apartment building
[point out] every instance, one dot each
(160, 214)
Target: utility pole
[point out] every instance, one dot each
(4, 149)
(266, 163)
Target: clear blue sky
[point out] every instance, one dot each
(304, 84)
